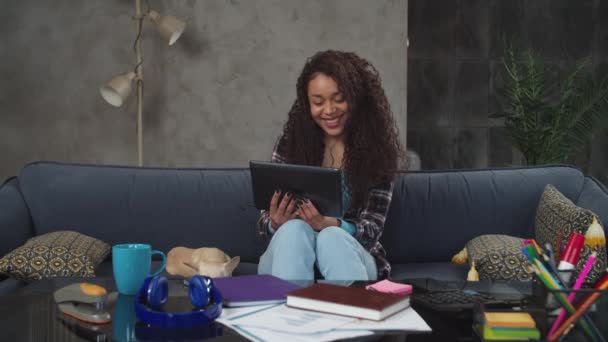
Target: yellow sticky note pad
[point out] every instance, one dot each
(510, 334)
(509, 319)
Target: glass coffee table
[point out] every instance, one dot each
(32, 315)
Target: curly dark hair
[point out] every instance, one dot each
(372, 151)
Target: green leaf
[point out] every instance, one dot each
(549, 119)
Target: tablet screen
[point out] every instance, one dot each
(321, 185)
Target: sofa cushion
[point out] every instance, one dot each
(214, 207)
(498, 257)
(158, 206)
(435, 213)
(56, 254)
(556, 218)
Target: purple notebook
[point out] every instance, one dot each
(254, 289)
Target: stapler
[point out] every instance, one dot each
(86, 331)
(84, 302)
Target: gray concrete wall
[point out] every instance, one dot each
(218, 97)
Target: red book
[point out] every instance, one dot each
(348, 301)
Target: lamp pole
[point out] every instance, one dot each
(140, 89)
(117, 89)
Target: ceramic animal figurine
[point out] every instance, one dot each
(212, 262)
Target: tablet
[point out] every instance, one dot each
(321, 185)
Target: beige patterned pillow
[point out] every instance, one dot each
(498, 257)
(56, 254)
(558, 216)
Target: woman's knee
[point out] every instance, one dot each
(295, 227)
(294, 239)
(335, 242)
(333, 235)
(296, 233)
(341, 256)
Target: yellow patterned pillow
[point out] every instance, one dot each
(556, 218)
(498, 257)
(56, 254)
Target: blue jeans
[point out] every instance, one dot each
(295, 247)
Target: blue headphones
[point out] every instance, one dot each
(152, 296)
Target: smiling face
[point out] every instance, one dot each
(328, 106)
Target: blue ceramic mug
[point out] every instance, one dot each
(131, 265)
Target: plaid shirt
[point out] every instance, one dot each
(369, 221)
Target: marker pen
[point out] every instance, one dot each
(571, 254)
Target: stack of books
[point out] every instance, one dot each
(266, 308)
(514, 326)
(375, 302)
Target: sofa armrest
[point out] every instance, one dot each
(594, 197)
(15, 220)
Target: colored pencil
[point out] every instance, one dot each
(532, 252)
(534, 244)
(577, 285)
(580, 310)
(551, 266)
(550, 283)
(529, 252)
(524, 250)
(553, 284)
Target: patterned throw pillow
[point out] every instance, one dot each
(498, 257)
(56, 254)
(557, 217)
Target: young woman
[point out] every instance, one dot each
(340, 119)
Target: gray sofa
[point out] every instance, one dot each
(432, 216)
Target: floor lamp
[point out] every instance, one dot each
(117, 89)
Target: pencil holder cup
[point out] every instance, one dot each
(597, 312)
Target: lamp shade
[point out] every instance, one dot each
(116, 90)
(169, 27)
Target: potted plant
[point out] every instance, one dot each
(549, 118)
